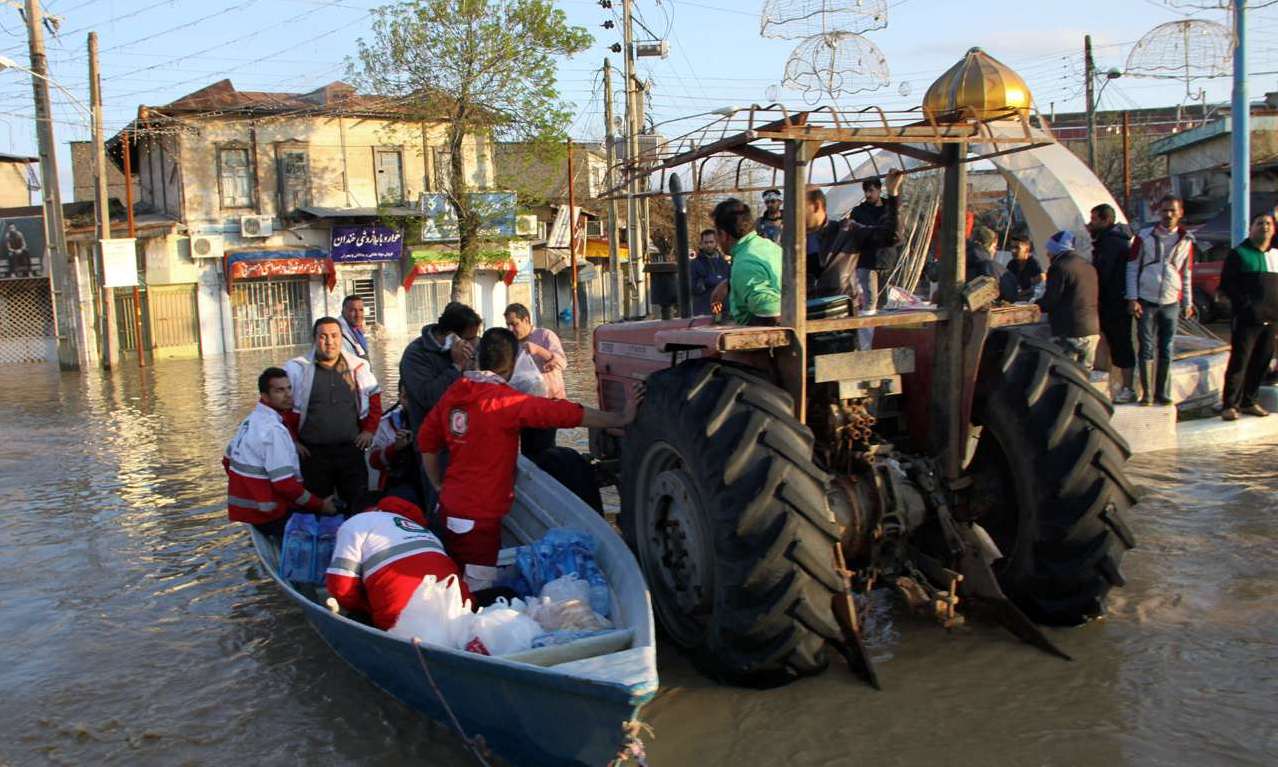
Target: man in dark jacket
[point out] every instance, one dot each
(709, 268)
(980, 261)
(1070, 299)
(836, 247)
(1111, 245)
(436, 359)
(1252, 289)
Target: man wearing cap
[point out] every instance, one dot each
(1071, 300)
(769, 224)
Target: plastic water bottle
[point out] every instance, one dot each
(297, 554)
(325, 542)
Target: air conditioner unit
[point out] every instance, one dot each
(526, 226)
(256, 226)
(206, 246)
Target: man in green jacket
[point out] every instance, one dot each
(754, 291)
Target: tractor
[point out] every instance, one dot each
(776, 474)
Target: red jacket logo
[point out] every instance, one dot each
(458, 422)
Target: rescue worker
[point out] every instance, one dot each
(380, 558)
(1069, 300)
(1253, 295)
(264, 481)
(769, 224)
(352, 322)
(1160, 269)
(709, 268)
(338, 407)
(478, 421)
(1111, 244)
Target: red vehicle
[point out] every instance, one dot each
(1210, 304)
(775, 473)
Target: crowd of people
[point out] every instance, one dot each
(424, 484)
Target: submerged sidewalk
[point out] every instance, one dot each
(1149, 429)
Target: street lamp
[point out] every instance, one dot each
(727, 111)
(1113, 74)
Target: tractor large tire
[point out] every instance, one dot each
(1049, 481)
(728, 516)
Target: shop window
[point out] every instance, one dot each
(235, 177)
(294, 177)
(389, 165)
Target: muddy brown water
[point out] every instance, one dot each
(138, 628)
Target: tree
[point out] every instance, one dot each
(487, 67)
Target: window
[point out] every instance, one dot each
(443, 169)
(388, 163)
(294, 177)
(365, 288)
(235, 177)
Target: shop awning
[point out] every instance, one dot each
(248, 264)
(443, 260)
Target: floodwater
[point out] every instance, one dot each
(138, 628)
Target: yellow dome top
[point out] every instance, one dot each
(978, 86)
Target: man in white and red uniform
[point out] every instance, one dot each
(381, 556)
(478, 421)
(264, 482)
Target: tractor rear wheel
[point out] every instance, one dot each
(728, 516)
(1048, 478)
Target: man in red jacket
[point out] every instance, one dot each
(478, 421)
(263, 479)
(380, 558)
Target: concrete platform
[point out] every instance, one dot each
(1149, 429)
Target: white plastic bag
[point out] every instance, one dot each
(568, 615)
(501, 630)
(567, 587)
(436, 614)
(527, 378)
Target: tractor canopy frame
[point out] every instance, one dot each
(790, 143)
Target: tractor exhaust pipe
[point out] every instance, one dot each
(684, 275)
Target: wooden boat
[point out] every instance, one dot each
(572, 704)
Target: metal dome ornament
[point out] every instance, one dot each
(978, 86)
(801, 19)
(835, 64)
(1183, 50)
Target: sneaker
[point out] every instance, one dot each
(1256, 410)
(1125, 396)
(1163, 401)
(1229, 414)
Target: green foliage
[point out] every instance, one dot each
(486, 67)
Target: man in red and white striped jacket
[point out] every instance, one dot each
(264, 482)
(381, 556)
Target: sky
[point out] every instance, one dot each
(154, 52)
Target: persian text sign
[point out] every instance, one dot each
(366, 243)
(496, 211)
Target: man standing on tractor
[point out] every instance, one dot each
(1159, 272)
(769, 224)
(1111, 244)
(478, 421)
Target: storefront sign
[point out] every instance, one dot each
(441, 260)
(21, 248)
(119, 263)
(256, 264)
(366, 243)
(496, 212)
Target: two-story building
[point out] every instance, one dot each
(259, 211)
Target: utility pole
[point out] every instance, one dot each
(70, 353)
(572, 238)
(614, 263)
(1240, 131)
(1089, 74)
(1127, 160)
(133, 233)
(634, 227)
(101, 207)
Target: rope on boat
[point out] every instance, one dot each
(632, 749)
(476, 744)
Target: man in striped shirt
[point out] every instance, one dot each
(264, 481)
